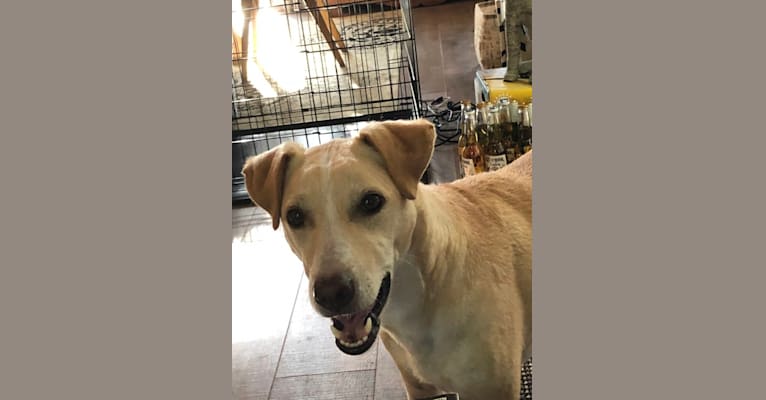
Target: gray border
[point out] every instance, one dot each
(116, 179)
(115, 212)
(648, 200)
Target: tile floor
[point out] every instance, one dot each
(282, 349)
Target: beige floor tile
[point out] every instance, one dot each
(356, 385)
(310, 346)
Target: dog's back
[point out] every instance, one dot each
(483, 197)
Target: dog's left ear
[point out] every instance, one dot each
(406, 147)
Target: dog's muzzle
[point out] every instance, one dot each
(355, 333)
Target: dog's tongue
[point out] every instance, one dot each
(351, 327)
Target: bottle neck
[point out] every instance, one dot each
(481, 113)
(525, 120)
(514, 110)
(529, 114)
(494, 123)
(469, 124)
(504, 115)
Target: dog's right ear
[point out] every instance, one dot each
(265, 177)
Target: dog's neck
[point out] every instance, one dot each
(439, 243)
(434, 261)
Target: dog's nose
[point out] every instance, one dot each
(334, 292)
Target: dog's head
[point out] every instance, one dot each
(347, 212)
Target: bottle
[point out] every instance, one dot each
(465, 106)
(526, 128)
(509, 122)
(494, 155)
(531, 122)
(471, 157)
(482, 127)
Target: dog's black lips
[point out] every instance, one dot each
(377, 308)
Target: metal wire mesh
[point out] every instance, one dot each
(310, 70)
(245, 146)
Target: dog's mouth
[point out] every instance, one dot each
(355, 333)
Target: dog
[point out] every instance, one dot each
(442, 273)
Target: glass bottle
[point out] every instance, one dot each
(465, 106)
(482, 127)
(509, 121)
(494, 155)
(471, 157)
(526, 128)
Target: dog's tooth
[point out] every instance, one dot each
(336, 332)
(345, 343)
(364, 339)
(368, 325)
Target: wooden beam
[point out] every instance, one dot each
(328, 28)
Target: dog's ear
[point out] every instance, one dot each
(406, 148)
(265, 177)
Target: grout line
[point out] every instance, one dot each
(284, 339)
(327, 373)
(375, 375)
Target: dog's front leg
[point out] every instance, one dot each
(416, 389)
(514, 391)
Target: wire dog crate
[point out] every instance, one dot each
(313, 70)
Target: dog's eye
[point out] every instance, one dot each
(371, 203)
(295, 217)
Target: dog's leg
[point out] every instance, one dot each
(416, 389)
(515, 389)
